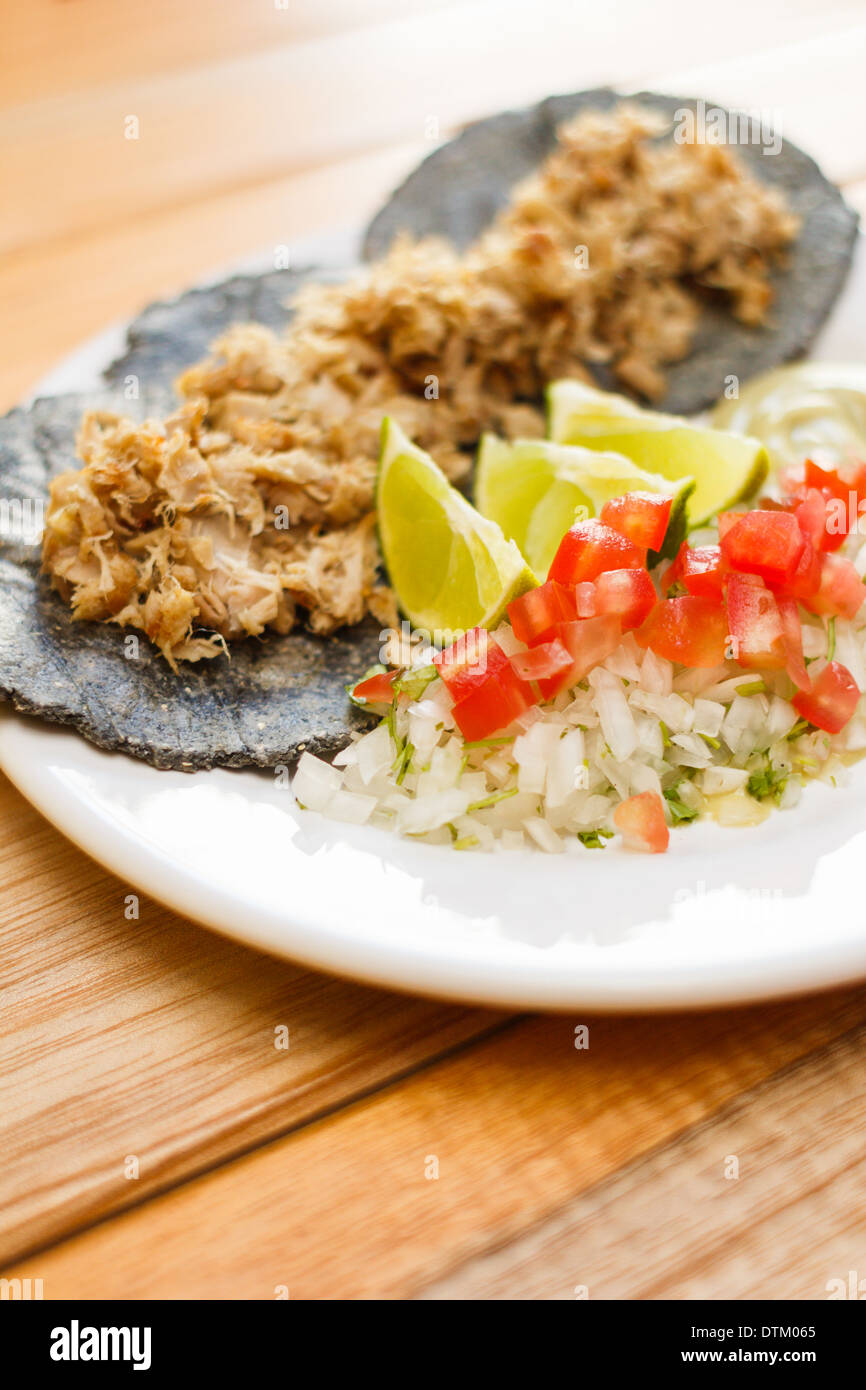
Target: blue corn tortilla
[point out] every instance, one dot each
(458, 189)
(264, 703)
(273, 698)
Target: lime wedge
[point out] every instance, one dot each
(451, 568)
(534, 489)
(727, 468)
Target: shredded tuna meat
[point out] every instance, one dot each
(254, 501)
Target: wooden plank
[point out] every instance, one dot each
(255, 116)
(518, 1125)
(51, 48)
(156, 1039)
(55, 299)
(763, 1202)
(808, 85)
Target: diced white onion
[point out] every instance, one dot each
(315, 782)
(428, 812)
(544, 837)
(617, 720)
(636, 724)
(351, 807)
(715, 781)
(656, 674)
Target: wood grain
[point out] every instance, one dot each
(45, 54)
(255, 116)
(519, 1124)
(764, 1201)
(54, 299)
(155, 1039)
(62, 279)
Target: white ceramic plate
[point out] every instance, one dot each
(725, 916)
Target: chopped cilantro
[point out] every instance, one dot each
(390, 720)
(594, 839)
(413, 683)
(751, 688)
(770, 781)
(490, 800)
(402, 762)
(799, 728)
(831, 638)
(679, 810)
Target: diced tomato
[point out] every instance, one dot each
(825, 480)
(376, 690)
(831, 701)
(641, 822)
(841, 492)
(588, 641)
(642, 517)
(493, 705)
(585, 599)
(754, 624)
(836, 528)
(806, 579)
(824, 522)
(792, 635)
(470, 662)
(534, 615)
(542, 662)
(670, 575)
(773, 504)
(810, 509)
(701, 570)
(766, 543)
(690, 629)
(588, 549)
(841, 590)
(628, 594)
(727, 520)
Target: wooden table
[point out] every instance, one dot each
(156, 1140)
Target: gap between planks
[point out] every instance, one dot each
(161, 1041)
(763, 1201)
(520, 1124)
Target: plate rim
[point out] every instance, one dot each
(516, 981)
(509, 981)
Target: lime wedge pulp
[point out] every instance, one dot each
(535, 489)
(727, 468)
(451, 568)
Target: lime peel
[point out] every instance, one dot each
(451, 568)
(535, 489)
(727, 467)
